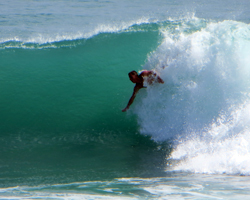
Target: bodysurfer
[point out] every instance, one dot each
(141, 80)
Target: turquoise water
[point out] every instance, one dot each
(62, 107)
(64, 82)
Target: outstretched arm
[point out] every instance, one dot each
(136, 89)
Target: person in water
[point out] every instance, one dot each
(141, 81)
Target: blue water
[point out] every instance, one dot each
(63, 73)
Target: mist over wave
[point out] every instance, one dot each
(204, 104)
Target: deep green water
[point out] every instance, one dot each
(61, 103)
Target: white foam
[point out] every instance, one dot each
(203, 74)
(224, 147)
(206, 69)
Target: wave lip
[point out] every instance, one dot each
(37, 39)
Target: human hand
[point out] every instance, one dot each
(125, 109)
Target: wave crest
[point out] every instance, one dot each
(44, 40)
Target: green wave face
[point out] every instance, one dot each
(61, 108)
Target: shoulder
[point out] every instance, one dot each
(146, 73)
(138, 86)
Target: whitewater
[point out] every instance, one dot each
(63, 73)
(205, 106)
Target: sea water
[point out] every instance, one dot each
(63, 74)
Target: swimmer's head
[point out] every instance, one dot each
(133, 76)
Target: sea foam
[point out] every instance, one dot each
(205, 66)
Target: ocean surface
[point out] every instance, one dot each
(64, 81)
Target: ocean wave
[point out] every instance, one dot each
(50, 40)
(205, 72)
(205, 66)
(55, 40)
